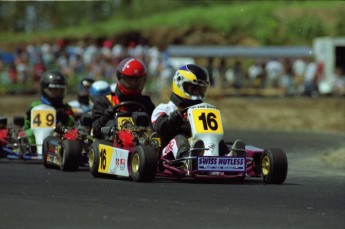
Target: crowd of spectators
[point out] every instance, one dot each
(291, 76)
(76, 61)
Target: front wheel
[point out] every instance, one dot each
(45, 150)
(274, 166)
(143, 163)
(71, 155)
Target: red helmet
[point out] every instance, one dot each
(131, 76)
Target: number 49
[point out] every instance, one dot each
(49, 120)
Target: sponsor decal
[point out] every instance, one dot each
(122, 164)
(50, 158)
(170, 147)
(224, 164)
(117, 159)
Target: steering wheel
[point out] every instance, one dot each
(129, 104)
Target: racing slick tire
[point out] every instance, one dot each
(94, 157)
(45, 152)
(274, 166)
(143, 165)
(71, 155)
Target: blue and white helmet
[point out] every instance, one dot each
(99, 88)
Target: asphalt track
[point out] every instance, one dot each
(313, 195)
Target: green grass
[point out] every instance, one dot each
(266, 22)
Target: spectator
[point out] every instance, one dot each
(286, 82)
(222, 68)
(298, 68)
(255, 75)
(209, 69)
(339, 85)
(38, 71)
(274, 70)
(309, 84)
(238, 74)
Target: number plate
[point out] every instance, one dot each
(105, 154)
(43, 118)
(207, 121)
(113, 160)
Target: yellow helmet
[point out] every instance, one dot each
(189, 85)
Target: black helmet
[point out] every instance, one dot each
(83, 90)
(53, 86)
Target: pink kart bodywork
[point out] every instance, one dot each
(253, 169)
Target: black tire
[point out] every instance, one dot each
(45, 152)
(94, 157)
(71, 155)
(274, 166)
(143, 164)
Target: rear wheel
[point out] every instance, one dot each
(71, 155)
(143, 164)
(94, 157)
(274, 166)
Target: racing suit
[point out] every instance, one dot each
(64, 117)
(100, 114)
(79, 108)
(174, 135)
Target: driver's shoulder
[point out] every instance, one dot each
(35, 103)
(67, 106)
(166, 107)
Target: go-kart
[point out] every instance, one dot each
(17, 146)
(67, 148)
(9, 143)
(129, 147)
(204, 159)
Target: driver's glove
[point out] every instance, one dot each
(176, 118)
(62, 117)
(109, 113)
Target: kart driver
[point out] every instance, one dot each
(99, 88)
(82, 103)
(189, 87)
(131, 78)
(53, 87)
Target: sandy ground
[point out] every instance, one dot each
(288, 114)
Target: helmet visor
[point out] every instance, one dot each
(83, 89)
(193, 89)
(55, 91)
(133, 83)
